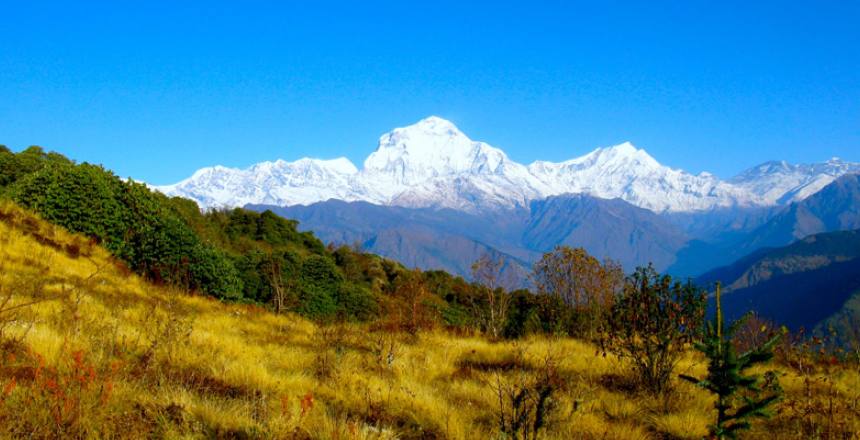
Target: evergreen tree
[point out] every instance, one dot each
(738, 395)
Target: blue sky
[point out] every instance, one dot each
(156, 90)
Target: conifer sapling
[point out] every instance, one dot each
(739, 396)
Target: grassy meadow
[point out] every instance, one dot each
(91, 350)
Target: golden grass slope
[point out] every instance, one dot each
(100, 353)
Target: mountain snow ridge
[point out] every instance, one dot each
(433, 164)
(779, 182)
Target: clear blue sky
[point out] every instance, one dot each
(156, 90)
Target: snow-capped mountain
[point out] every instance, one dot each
(431, 148)
(631, 174)
(433, 164)
(278, 182)
(779, 182)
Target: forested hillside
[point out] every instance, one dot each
(252, 257)
(812, 284)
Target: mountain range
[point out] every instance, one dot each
(836, 207)
(432, 164)
(431, 197)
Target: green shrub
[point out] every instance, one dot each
(319, 282)
(356, 302)
(213, 273)
(80, 198)
(652, 322)
(14, 166)
(455, 315)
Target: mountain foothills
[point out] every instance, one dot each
(811, 284)
(451, 240)
(836, 207)
(125, 313)
(431, 197)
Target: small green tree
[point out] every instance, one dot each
(738, 395)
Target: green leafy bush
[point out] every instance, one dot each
(14, 166)
(320, 281)
(356, 302)
(652, 323)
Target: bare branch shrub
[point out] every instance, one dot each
(494, 284)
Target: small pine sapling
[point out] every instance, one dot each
(739, 396)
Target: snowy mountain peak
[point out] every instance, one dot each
(630, 173)
(435, 124)
(624, 148)
(340, 165)
(621, 155)
(778, 182)
(624, 153)
(422, 134)
(337, 165)
(431, 148)
(209, 170)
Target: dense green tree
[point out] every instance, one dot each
(356, 302)
(14, 166)
(525, 316)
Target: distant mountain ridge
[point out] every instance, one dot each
(836, 207)
(812, 283)
(432, 164)
(781, 183)
(451, 240)
(809, 253)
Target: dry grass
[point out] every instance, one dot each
(103, 354)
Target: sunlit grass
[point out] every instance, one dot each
(169, 364)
